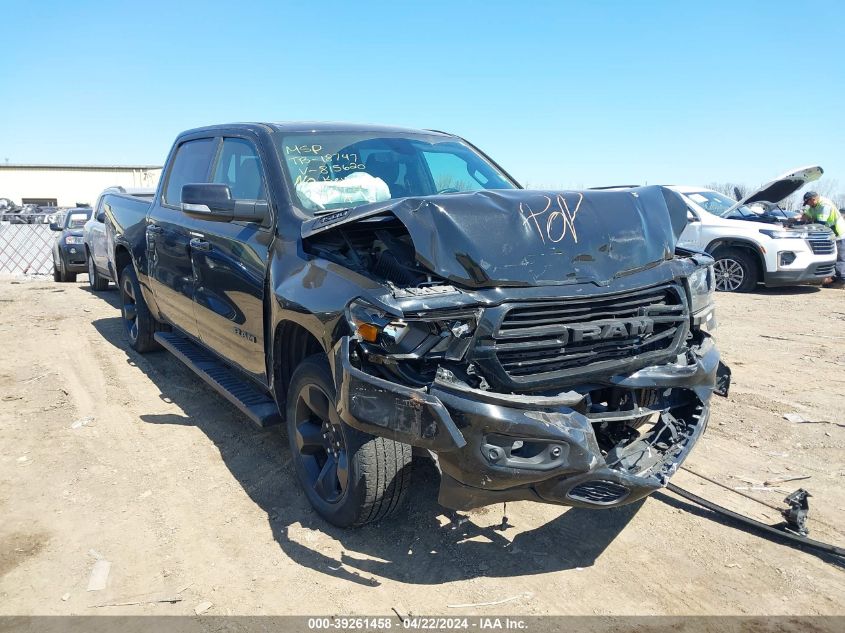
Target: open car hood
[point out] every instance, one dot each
(527, 238)
(781, 187)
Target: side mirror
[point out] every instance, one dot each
(101, 216)
(55, 227)
(213, 201)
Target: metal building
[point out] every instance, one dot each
(69, 185)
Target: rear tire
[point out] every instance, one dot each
(736, 270)
(95, 280)
(350, 478)
(139, 324)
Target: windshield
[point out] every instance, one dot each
(334, 170)
(718, 204)
(77, 219)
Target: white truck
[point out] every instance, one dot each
(751, 246)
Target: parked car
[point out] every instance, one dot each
(751, 240)
(24, 214)
(7, 209)
(94, 235)
(46, 214)
(57, 217)
(380, 289)
(68, 249)
(750, 248)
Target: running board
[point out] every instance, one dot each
(253, 403)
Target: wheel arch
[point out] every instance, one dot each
(299, 344)
(122, 257)
(746, 245)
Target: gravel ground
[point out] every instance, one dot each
(129, 464)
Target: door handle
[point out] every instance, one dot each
(154, 228)
(200, 245)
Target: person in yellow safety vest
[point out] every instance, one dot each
(823, 211)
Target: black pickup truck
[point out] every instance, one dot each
(384, 291)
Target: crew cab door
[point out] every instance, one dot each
(169, 234)
(230, 263)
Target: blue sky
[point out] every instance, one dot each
(562, 94)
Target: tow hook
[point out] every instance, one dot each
(723, 380)
(796, 514)
(796, 518)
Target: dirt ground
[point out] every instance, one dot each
(106, 454)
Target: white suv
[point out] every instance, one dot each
(94, 237)
(751, 246)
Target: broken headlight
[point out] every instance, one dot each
(403, 337)
(702, 286)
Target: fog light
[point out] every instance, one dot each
(786, 258)
(73, 251)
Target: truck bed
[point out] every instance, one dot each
(126, 221)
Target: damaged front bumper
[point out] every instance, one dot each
(601, 445)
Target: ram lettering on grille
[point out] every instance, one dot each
(562, 337)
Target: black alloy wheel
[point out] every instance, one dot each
(321, 445)
(350, 477)
(140, 325)
(129, 308)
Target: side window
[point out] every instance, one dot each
(190, 165)
(449, 171)
(240, 168)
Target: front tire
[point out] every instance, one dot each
(97, 282)
(61, 274)
(350, 478)
(139, 324)
(736, 270)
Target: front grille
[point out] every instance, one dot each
(821, 245)
(600, 492)
(825, 269)
(577, 334)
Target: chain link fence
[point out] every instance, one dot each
(26, 244)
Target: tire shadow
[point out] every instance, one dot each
(109, 295)
(421, 544)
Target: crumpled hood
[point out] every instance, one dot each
(527, 238)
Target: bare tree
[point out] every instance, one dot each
(827, 187)
(730, 189)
